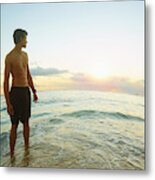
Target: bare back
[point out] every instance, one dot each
(18, 68)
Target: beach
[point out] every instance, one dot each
(80, 129)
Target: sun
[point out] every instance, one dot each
(99, 72)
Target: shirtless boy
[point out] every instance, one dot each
(18, 98)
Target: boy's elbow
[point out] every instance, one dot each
(5, 85)
(29, 77)
(6, 82)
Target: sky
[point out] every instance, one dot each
(84, 45)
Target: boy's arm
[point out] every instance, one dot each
(31, 84)
(6, 80)
(7, 71)
(30, 81)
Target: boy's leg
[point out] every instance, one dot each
(26, 131)
(13, 137)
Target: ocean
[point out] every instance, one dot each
(79, 129)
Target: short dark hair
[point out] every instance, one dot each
(18, 34)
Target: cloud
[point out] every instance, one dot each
(81, 81)
(113, 84)
(38, 71)
(126, 85)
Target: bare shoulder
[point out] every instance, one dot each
(9, 56)
(25, 53)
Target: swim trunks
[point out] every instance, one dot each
(20, 98)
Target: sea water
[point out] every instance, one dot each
(79, 129)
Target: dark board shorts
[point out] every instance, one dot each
(20, 98)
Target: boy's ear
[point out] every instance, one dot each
(20, 39)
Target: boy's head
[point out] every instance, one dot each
(19, 37)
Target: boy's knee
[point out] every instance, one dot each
(26, 124)
(14, 126)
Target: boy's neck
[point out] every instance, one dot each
(18, 49)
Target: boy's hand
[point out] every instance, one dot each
(35, 97)
(10, 109)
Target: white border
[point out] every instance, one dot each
(69, 174)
